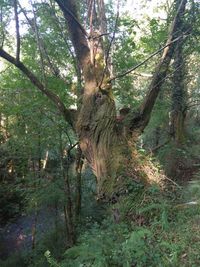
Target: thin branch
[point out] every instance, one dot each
(72, 146)
(140, 120)
(17, 31)
(147, 59)
(101, 35)
(77, 34)
(4, 70)
(156, 148)
(143, 74)
(68, 116)
(191, 106)
(2, 30)
(53, 68)
(39, 44)
(63, 36)
(109, 47)
(167, 178)
(193, 101)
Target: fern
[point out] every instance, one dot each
(50, 260)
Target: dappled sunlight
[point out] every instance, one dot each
(99, 133)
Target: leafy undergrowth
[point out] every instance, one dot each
(146, 227)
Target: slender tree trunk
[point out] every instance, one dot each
(177, 118)
(34, 228)
(68, 207)
(79, 164)
(35, 219)
(56, 218)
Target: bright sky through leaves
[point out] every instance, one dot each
(135, 8)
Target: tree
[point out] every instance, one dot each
(104, 139)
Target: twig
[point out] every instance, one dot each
(72, 146)
(154, 149)
(167, 178)
(143, 74)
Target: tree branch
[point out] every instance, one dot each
(147, 59)
(17, 31)
(67, 11)
(52, 67)
(67, 114)
(72, 54)
(191, 106)
(156, 148)
(79, 41)
(2, 28)
(140, 120)
(109, 47)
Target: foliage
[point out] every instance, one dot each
(165, 240)
(153, 227)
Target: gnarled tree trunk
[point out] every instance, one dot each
(103, 140)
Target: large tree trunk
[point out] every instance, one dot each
(102, 141)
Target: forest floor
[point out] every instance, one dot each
(16, 235)
(156, 229)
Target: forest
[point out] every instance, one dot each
(99, 133)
